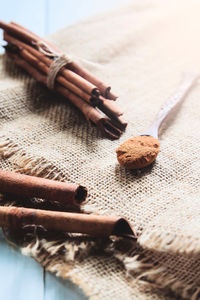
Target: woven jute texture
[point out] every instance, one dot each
(142, 50)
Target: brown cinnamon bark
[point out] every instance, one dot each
(109, 107)
(119, 122)
(38, 59)
(68, 74)
(95, 225)
(31, 186)
(102, 122)
(26, 66)
(112, 111)
(29, 37)
(107, 126)
(104, 89)
(38, 64)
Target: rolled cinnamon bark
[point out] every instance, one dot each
(20, 32)
(109, 107)
(101, 121)
(29, 37)
(37, 64)
(119, 122)
(95, 225)
(31, 186)
(40, 77)
(107, 126)
(60, 79)
(38, 59)
(42, 62)
(104, 89)
(68, 74)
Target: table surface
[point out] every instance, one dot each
(22, 277)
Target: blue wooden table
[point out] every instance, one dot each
(21, 277)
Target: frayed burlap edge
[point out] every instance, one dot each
(25, 163)
(157, 277)
(169, 242)
(137, 269)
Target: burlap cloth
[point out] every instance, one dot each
(142, 50)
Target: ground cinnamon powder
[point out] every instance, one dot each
(138, 152)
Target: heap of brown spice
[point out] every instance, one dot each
(138, 152)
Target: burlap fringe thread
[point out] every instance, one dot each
(26, 163)
(169, 242)
(141, 269)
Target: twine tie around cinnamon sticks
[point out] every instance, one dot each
(55, 67)
(60, 61)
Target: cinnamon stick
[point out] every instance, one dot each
(107, 126)
(101, 121)
(31, 186)
(104, 88)
(106, 106)
(38, 59)
(40, 77)
(30, 38)
(32, 55)
(109, 107)
(95, 225)
(76, 88)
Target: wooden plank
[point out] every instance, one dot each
(31, 14)
(57, 288)
(21, 276)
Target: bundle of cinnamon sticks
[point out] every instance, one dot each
(89, 94)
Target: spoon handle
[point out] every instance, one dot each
(171, 103)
